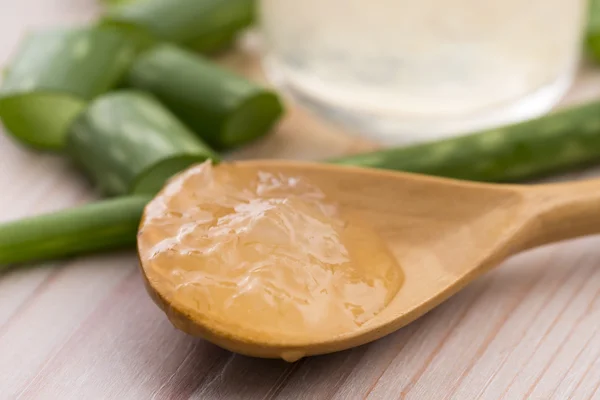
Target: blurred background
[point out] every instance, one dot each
(85, 328)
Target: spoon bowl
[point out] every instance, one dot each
(444, 233)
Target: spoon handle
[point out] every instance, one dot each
(562, 211)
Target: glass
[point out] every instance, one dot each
(412, 70)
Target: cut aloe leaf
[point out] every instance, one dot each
(224, 109)
(128, 142)
(91, 228)
(40, 120)
(204, 25)
(53, 75)
(553, 143)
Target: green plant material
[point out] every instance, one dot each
(128, 143)
(112, 3)
(554, 143)
(101, 226)
(54, 74)
(592, 37)
(225, 110)
(203, 25)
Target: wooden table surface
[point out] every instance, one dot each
(85, 328)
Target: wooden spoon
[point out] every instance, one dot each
(444, 233)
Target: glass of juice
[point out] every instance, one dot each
(407, 71)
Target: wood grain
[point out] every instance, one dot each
(85, 329)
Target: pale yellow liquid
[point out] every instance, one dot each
(265, 252)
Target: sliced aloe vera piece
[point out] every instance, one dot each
(204, 25)
(224, 109)
(53, 75)
(40, 120)
(128, 142)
